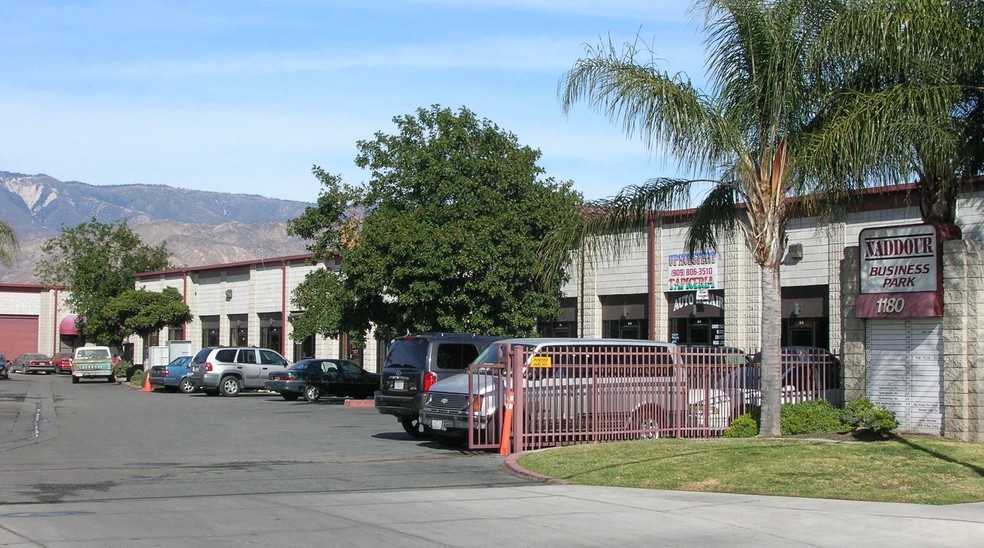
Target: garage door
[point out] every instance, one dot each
(905, 371)
(18, 334)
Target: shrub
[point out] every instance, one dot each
(121, 369)
(138, 377)
(863, 415)
(745, 426)
(810, 417)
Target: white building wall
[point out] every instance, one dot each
(970, 215)
(625, 274)
(814, 268)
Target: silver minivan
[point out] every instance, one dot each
(231, 370)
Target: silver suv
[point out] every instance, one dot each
(231, 370)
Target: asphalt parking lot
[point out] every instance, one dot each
(114, 466)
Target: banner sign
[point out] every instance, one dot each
(901, 272)
(689, 273)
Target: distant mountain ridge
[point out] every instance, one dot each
(200, 227)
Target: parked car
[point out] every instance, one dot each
(625, 386)
(62, 362)
(173, 376)
(316, 378)
(4, 367)
(414, 363)
(808, 373)
(33, 363)
(229, 370)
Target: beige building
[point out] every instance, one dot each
(652, 290)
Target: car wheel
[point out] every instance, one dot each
(646, 422)
(211, 391)
(413, 426)
(75, 380)
(312, 393)
(289, 396)
(230, 386)
(187, 386)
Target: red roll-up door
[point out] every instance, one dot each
(18, 334)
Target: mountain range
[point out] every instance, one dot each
(199, 227)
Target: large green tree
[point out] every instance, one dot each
(97, 261)
(8, 244)
(914, 69)
(442, 237)
(141, 312)
(757, 138)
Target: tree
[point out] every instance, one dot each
(8, 244)
(755, 139)
(97, 262)
(915, 68)
(442, 237)
(141, 312)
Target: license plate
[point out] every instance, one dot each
(398, 385)
(437, 424)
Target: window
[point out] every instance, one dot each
(246, 356)
(269, 357)
(227, 355)
(455, 356)
(210, 331)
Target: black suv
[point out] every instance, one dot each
(414, 363)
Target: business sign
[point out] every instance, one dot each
(690, 273)
(901, 272)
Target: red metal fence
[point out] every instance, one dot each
(608, 392)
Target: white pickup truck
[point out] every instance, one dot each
(93, 362)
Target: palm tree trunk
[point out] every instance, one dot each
(771, 366)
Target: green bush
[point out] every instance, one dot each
(122, 369)
(138, 377)
(745, 426)
(810, 417)
(863, 415)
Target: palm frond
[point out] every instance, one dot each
(664, 110)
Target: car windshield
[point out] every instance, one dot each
(409, 352)
(491, 353)
(94, 353)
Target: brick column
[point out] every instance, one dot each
(852, 339)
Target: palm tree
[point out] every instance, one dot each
(920, 67)
(754, 138)
(8, 244)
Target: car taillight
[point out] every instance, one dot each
(208, 366)
(164, 372)
(429, 379)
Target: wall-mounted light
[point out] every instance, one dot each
(796, 309)
(796, 252)
(228, 294)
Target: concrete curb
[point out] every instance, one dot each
(359, 403)
(511, 464)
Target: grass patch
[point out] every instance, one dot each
(913, 469)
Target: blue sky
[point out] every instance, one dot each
(245, 96)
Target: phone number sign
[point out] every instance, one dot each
(692, 272)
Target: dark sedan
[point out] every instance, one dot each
(314, 378)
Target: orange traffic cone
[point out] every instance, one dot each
(147, 387)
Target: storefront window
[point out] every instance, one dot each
(210, 331)
(238, 330)
(271, 332)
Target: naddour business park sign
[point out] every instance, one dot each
(901, 272)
